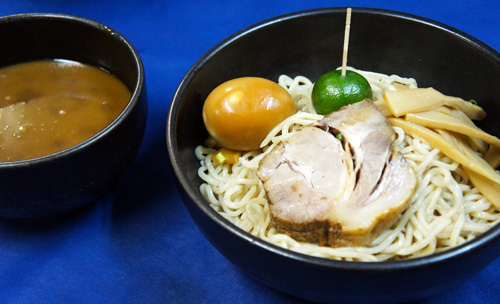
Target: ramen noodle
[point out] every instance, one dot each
(445, 210)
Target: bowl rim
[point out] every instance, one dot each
(136, 93)
(457, 252)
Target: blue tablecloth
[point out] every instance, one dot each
(138, 244)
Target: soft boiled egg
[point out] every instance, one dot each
(240, 113)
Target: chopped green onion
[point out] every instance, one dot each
(220, 158)
(340, 137)
(473, 102)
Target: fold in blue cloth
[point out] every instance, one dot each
(137, 243)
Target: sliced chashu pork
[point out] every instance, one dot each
(338, 192)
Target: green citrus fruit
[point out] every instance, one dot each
(333, 91)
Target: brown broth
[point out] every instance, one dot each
(50, 105)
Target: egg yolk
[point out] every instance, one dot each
(240, 113)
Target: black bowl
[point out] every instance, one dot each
(66, 180)
(310, 43)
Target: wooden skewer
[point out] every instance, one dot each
(346, 40)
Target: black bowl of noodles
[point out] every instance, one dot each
(307, 43)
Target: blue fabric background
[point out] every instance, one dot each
(137, 244)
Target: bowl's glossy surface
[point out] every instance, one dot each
(310, 43)
(66, 180)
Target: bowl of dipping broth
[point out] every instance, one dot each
(386, 200)
(73, 110)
